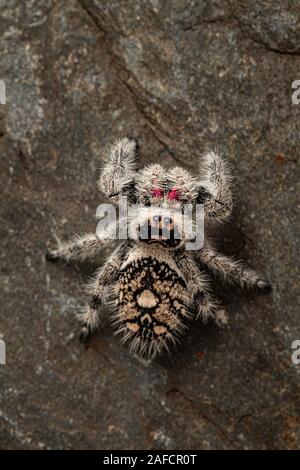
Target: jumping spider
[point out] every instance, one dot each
(153, 285)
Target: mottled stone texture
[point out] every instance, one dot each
(182, 76)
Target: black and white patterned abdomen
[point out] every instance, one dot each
(153, 304)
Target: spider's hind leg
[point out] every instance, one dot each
(91, 317)
(206, 306)
(100, 290)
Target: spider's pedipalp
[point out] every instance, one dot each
(151, 182)
(183, 182)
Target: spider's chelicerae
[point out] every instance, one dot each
(153, 285)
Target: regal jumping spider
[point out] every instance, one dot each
(154, 286)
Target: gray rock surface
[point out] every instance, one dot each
(182, 76)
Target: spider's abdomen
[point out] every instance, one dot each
(152, 305)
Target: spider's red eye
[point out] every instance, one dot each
(156, 192)
(173, 195)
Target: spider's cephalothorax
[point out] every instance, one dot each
(151, 283)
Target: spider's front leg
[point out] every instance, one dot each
(100, 290)
(118, 172)
(206, 306)
(231, 270)
(214, 187)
